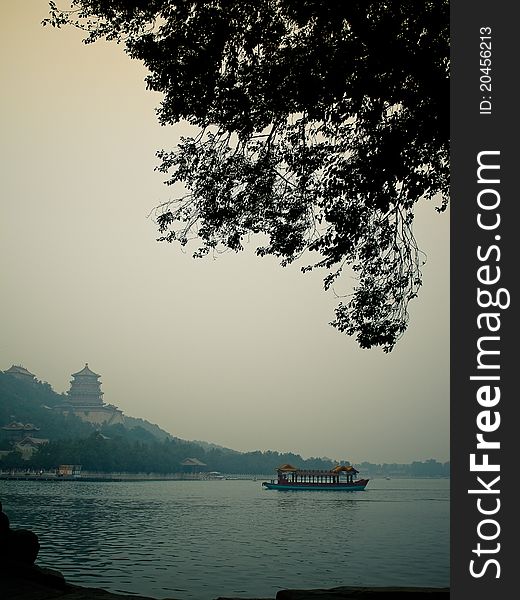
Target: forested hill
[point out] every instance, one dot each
(137, 446)
(34, 402)
(141, 446)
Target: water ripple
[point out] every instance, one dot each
(200, 540)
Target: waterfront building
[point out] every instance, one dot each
(85, 400)
(193, 465)
(68, 471)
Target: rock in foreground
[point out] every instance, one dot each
(33, 583)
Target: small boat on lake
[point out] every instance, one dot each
(340, 478)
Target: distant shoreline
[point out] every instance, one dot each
(135, 477)
(128, 477)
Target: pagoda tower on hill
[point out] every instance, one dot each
(85, 400)
(85, 389)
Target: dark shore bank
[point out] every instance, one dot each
(32, 583)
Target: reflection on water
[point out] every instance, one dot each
(195, 539)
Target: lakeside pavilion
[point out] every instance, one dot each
(193, 465)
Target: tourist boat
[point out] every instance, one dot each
(341, 478)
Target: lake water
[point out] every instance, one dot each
(204, 539)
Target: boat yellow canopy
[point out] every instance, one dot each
(287, 468)
(344, 469)
(317, 472)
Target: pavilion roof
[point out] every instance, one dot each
(345, 469)
(14, 426)
(192, 462)
(335, 471)
(85, 371)
(31, 441)
(18, 370)
(287, 467)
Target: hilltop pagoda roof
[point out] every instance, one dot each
(18, 370)
(85, 371)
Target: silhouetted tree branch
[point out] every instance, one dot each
(322, 124)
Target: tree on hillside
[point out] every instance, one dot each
(321, 124)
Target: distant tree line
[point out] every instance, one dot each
(428, 468)
(127, 454)
(131, 455)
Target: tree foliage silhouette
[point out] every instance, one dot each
(321, 124)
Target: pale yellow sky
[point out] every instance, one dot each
(236, 351)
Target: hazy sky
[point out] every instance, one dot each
(236, 351)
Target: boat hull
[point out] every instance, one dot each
(356, 486)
